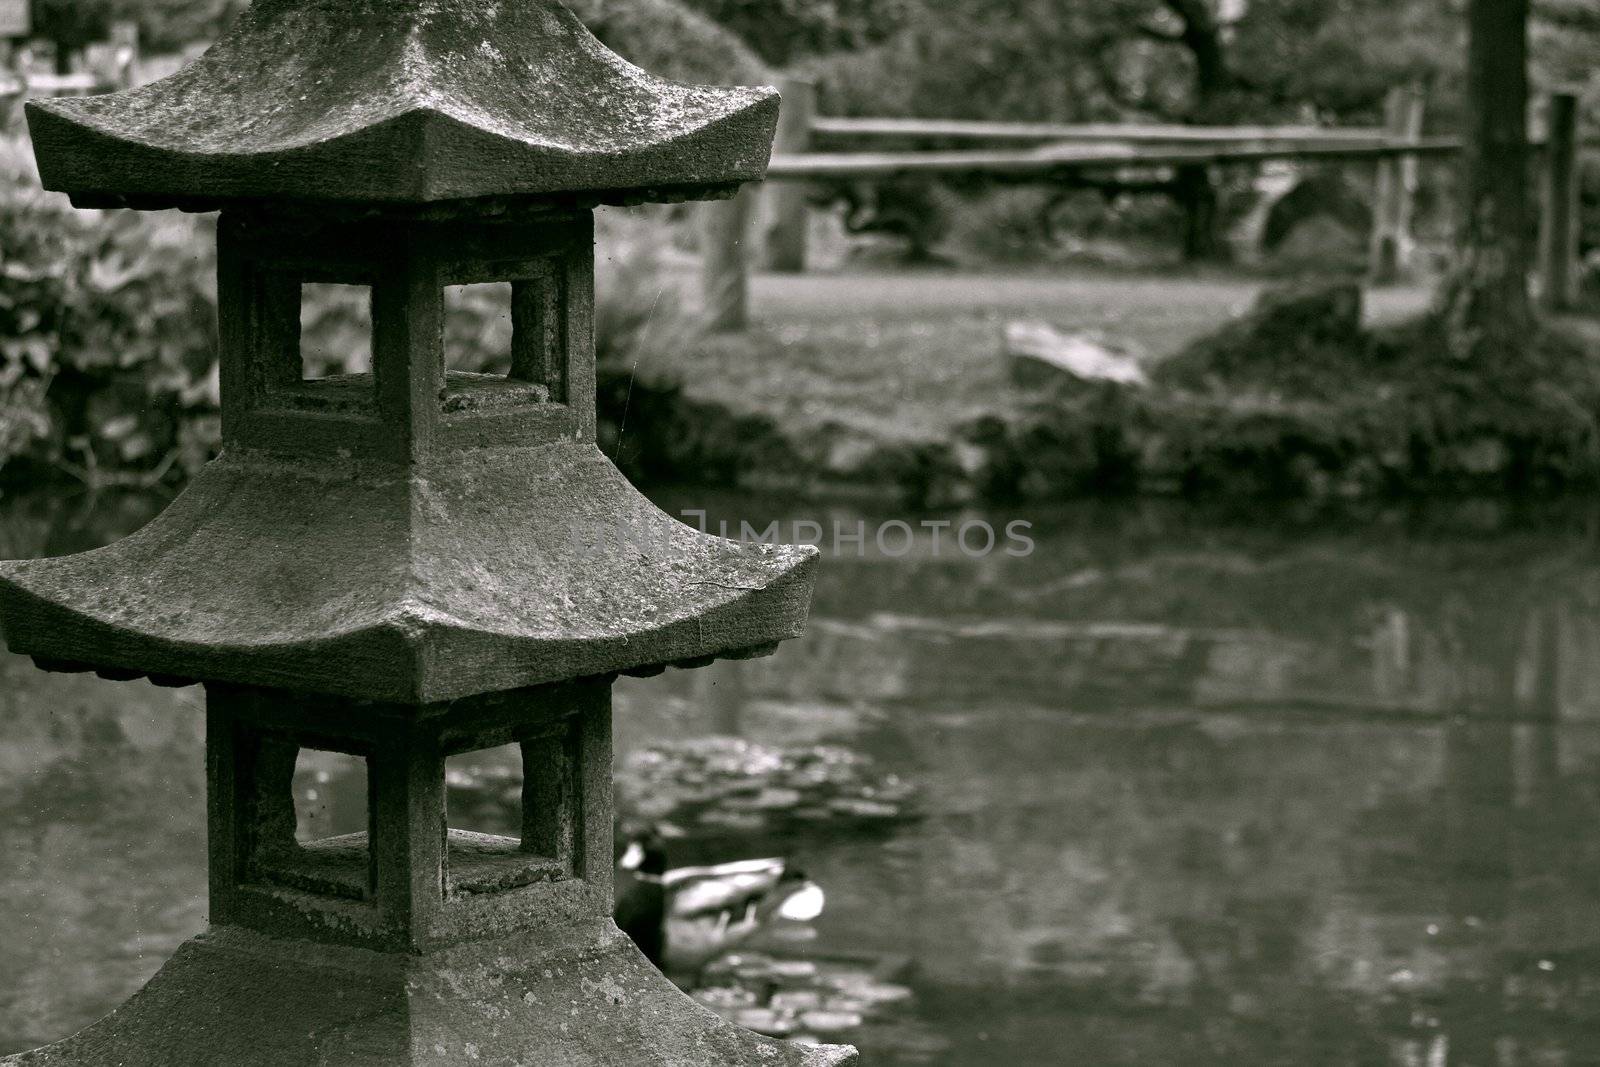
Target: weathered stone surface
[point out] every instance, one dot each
(582, 995)
(482, 571)
(406, 535)
(408, 564)
(403, 101)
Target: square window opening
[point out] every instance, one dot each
(335, 331)
(328, 855)
(484, 806)
(483, 791)
(503, 345)
(330, 795)
(478, 328)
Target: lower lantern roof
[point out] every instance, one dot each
(485, 572)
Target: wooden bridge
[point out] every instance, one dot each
(820, 149)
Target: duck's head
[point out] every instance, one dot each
(645, 852)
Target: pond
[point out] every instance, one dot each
(1193, 786)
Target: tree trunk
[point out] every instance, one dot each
(1213, 81)
(1487, 311)
(1197, 197)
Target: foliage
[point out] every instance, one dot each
(1294, 343)
(671, 39)
(107, 333)
(783, 30)
(1005, 225)
(164, 25)
(1002, 59)
(108, 369)
(1181, 60)
(1167, 60)
(642, 332)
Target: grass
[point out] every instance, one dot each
(896, 382)
(910, 356)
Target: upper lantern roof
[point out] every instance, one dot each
(404, 102)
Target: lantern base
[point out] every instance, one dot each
(586, 999)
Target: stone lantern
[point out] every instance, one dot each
(412, 563)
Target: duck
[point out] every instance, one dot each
(683, 918)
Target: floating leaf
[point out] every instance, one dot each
(830, 1022)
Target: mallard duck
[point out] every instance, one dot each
(684, 918)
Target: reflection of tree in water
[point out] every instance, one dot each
(1348, 891)
(1495, 867)
(1160, 871)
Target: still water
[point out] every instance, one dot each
(1196, 787)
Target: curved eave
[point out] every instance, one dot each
(493, 569)
(422, 157)
(408, 657)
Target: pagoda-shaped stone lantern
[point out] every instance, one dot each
(408, 564)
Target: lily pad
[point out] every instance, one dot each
(830, 1022)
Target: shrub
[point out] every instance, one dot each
(782, 30)
(642, 332)
(107, 334)
(1006, 225)
(671, 40)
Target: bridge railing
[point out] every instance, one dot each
(816, 149)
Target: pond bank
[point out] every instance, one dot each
(1308, 393)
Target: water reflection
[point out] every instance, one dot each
(1197, 790)
(102, 830)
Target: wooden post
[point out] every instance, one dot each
(1558, 248)
(16, 20)
(724, 263)
(1397, 189)
(786, 231)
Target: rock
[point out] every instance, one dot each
(1252, 209)
(794, 971)
(776, 799)
(725, 997)
(1042, 356)
(1322, 243)
(1324, 197)
(880, 993)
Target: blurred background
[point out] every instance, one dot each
(1282, 745)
